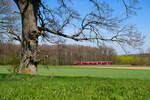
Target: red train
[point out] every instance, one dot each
(92, 62)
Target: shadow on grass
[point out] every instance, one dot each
(5, 76)
(14, 77)
(20, 77)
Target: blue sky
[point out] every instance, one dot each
(141, 20)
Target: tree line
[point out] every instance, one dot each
(137, 59)
(60, 54)
(63, 54)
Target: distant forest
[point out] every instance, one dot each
(62, 54)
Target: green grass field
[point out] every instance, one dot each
(75, 83)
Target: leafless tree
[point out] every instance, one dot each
(8, 21)
(148, 51)
(60, 42)
(4, 9)
(40, 18)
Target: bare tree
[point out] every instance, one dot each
(9, 20)
(4, 9)
(60, 42)
(148, 50)
(40, 19)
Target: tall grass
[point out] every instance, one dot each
(26, 87)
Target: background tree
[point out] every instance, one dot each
(40, 18)
(60, 43)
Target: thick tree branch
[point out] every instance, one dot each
(74, 37)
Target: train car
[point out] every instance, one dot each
(92, 62)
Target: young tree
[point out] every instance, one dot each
(39, 19)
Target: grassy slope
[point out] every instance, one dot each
(76, 83)
(82, 71)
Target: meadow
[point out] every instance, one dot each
(75, 83)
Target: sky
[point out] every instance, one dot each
(141, 20)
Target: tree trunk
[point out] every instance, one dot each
(29, 44)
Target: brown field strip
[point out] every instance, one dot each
(146, 68)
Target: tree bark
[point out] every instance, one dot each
(29, 44)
